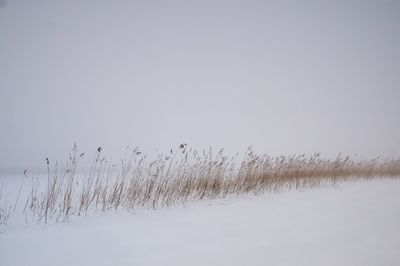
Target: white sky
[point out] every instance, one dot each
(283, 76)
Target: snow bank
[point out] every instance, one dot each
(353, 224)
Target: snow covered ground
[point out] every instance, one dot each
(353, 224)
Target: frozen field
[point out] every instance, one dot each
(353, 224)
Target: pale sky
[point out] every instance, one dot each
(283, 76)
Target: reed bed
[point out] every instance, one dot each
(181, 176)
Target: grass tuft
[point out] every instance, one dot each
(181, 176)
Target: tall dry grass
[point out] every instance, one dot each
(184, 175)
(5, 210)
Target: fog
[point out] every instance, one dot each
(283, 76)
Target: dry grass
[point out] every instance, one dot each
(184, 175)
(5, 211)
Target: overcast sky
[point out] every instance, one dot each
(283, 76)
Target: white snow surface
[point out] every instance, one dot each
(356, 223)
